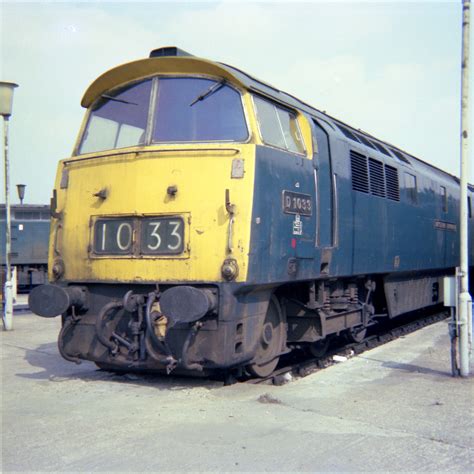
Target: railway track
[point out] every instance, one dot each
(297, 366)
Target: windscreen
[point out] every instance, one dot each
(187, 109)
(198, 110)
(118, 120)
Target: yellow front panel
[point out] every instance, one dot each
(136, 184)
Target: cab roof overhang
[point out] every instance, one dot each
(144, 68)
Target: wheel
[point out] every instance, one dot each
(270, 343)
(356, 334)
(319, 348)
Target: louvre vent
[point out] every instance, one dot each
(391, 181)
(377, 181)
(360, 177)
(374, 177)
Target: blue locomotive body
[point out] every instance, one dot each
(379, 209)
(30, 225)
(377, 226)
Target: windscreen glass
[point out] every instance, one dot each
(187, 109)
(198, 110)
(118, 119)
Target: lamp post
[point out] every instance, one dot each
(465, 301)
(21, 192)
(6, 103)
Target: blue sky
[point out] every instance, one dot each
(392, 69)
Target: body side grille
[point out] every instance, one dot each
(392, 183)
(360, 176)
(377, 179)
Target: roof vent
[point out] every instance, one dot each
(168, 51)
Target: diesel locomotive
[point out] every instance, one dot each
(29, 243)
(207, 220)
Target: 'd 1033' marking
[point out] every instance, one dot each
(297, 203)
(146, 236)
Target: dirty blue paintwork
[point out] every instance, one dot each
(29, 237)
(272, 229)
(372, 233)
(375, 235)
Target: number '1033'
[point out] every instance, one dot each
(148, 236)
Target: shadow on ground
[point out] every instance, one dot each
(407, 367)
(56, 369)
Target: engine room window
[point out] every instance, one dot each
(278, 126)
(118, 119)
(198, 110)
(410, 186)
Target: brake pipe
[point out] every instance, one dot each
(99, 324)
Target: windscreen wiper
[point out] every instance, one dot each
(214, 88)
(105, 96)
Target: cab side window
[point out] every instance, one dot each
(278, 126)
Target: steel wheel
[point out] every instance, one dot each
(319, 348)
(270, 342)
(356, 334)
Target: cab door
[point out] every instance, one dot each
(324, 187)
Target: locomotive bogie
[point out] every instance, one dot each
(227, 336)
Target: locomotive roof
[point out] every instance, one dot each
(255, 84)
(174, 60)
(20, 212)
(28, 207)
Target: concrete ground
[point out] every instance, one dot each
(394, 408)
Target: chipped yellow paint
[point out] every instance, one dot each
(137, 184)
(137, 179)
(307, 134)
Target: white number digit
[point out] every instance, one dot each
(155, 234)
(124, 225)
(176, 225)
(104, 230)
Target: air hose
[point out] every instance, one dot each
(99, 324)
